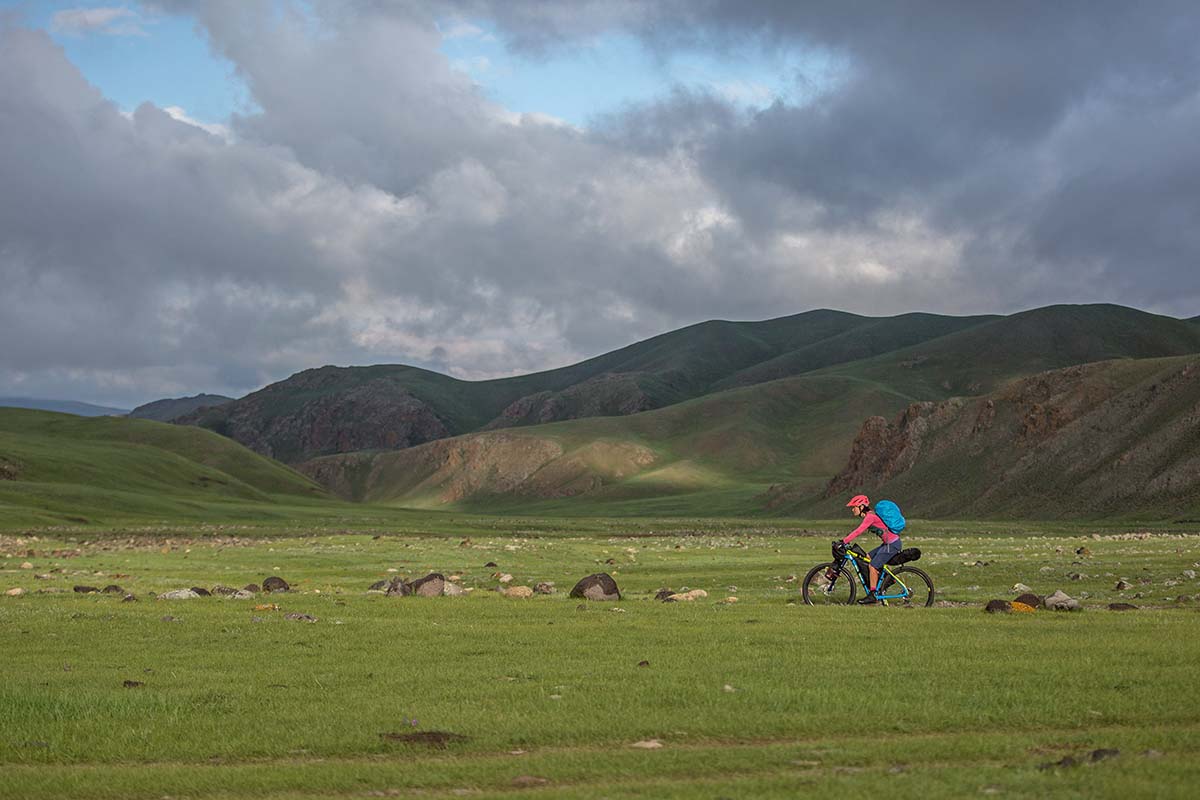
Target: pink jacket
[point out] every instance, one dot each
(872, 520)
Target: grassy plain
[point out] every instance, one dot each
(942, 702)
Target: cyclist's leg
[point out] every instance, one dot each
(879, 557)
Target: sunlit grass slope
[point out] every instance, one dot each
(63, 468)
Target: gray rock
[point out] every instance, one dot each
(1123, 585)
(544, 587)
(1060, 601)
(599, 586)
(275, 584)
(253, 588)
(398, 587)
(300, 617)
(453, 590)
(378, 586)
(1020, 588)
(224, 591)
(998, 607)
(178, 594)
(112, 588)
(431, 585)
(241, 594)
(200, 590)
(1122, 607)
(85, 590)
(1190, 574)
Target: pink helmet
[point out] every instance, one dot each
(858, 500)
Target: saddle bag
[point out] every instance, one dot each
(904, 556)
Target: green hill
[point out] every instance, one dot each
(726, 451)
(57, 468)
(344, 409)
(1111, 439)
(62, 406)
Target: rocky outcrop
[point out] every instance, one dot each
(310, 419)
(599, 586)
(171, 409)
(1091, 439)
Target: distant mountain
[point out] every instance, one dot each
(336, 410)
(171, 409)
(1111, 439)
(62, 406)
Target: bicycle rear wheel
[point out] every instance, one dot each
(919, 585)
(819, 590)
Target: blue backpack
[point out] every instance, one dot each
(889, 512)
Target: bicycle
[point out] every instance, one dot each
(832, 583)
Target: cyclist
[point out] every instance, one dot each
(889, 546)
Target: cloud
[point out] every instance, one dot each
(379, 207)
(112, 21)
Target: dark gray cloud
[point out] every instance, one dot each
(379, 207)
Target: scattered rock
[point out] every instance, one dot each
(133, 684)
(1029, 600)
(1060, 601)
(129, 598)
(15, 592)
(453, 590)
(378, 586)
(528, 781)
(599, 586)
(643, 663)
(200, 590)
(85, 590)
(1122, 585)
(224, 591)
(253, 588)
(517, 592)
(437, 739)
(490, 565)
(1076, 576)
(275, 584)
(431, 585)
(1104, 753)
(295, 617)
(112, 588)
(1152, 754)
(998, 607)
(169, 618)
(647, 744)
(178, 594)
(730, 600)
(544, 587)
(1190, 574)
(1020, 588)
(504, 577)
(26, 565)
(694, 594)
(398, 587)
(241, 594)
(1064, 762)
(1023, 608)
(663, 594)
(1083, 551)
(266, 607)
(728, 689)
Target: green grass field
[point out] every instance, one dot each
(941, 702)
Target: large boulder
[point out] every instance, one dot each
(1029, 600)
(399, 587)
(275, 584)
(452, 589)
(998, 607)
(178, 594)
(600, 586)
(1061, 601)
(431, 585)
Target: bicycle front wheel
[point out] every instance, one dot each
(819, 589)
(918, 587)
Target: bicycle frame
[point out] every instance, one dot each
(853, 570)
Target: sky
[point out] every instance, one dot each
(210, 196)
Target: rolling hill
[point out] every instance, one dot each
(1117, 438)
(170, 409)
(714, 453)
(62, 406)
(57, 468)
(334, 410)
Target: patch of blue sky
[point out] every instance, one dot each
(615, 70)
(138, 55)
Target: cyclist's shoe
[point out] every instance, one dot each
(869, 600)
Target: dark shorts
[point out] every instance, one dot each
(883, 554)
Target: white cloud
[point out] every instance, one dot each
(215, 128)
(113, 21)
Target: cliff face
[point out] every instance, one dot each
(375, 415)
(1114, 437)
